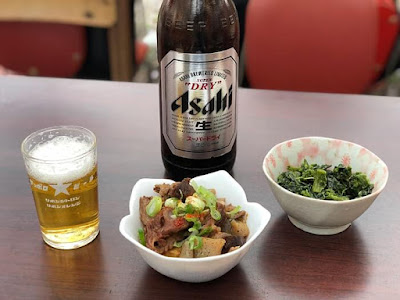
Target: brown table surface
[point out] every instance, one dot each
(285, 263)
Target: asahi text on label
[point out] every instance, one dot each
(198, 93)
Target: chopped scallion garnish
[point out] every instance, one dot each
(179, 244)
(234, 211)
(195, 242)
(209, 198)
(142, 238)
(171, 202)
(154, 206)
(206, 231)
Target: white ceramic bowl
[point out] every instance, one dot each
(321, 216)
(195, 269)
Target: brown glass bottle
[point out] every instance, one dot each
(197, 27)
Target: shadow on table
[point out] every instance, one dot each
(235, 282)
(74, 273)
(296, 263)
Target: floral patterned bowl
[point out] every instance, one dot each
(322, 216)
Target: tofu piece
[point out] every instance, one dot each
(185, 251)
(174, 252)
(239, 228)
(211, 247)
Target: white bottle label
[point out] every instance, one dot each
(198, 102)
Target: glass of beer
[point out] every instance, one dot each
(62, 168)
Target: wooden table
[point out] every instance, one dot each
(285, 263)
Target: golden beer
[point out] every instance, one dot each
(62, 170)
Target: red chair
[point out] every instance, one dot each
(44, 49)
(313, 45)
(33, 41)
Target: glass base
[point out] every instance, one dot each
(71, 245)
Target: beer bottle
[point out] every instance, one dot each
(198, 45)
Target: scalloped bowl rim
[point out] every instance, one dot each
(287, 192)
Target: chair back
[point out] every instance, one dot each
(321, 46)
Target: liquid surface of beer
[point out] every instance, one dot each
(64, 187)
(198, 42)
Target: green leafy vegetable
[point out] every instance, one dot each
(142, 239)
(154, 206)
(320, 182)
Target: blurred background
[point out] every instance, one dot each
(342, 46)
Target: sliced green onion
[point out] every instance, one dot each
(190, 219)
(215, 214)
(195, 202)
(196, 227)
(171, 202)
(209, 198)
(205, 231)
(194, 185)
(197, 224)
(207, 195)
(189, 208)
(154, 206)
(142, 239)
(194, 230)
(180, 209)
(179, 244)
(234, 211)
(195, 242)
(175, 212)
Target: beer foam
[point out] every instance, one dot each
(63, 148)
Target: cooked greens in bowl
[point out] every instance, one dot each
(358, 175)
(324, 182)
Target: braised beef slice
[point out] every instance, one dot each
(182, 189)
(221, 209)
(165, 244)
(220, 235)
(232, 241)
(239, 214)
(207, 221)
(162, 190)
(160, 228)
(142, 209)
(179, 190)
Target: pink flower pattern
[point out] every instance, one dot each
(346, 160)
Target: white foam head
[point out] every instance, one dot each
(61, 160)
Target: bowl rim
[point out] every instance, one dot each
(287, 192)
(263, 223)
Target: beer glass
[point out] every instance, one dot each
(61, 163)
